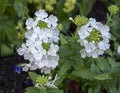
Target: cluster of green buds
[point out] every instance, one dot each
(113, 9)
(20, 28)
(41, 81)
(47, 4)
(79, 20)
(69, 5)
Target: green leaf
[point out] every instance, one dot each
(6, 49)
(63, 40)
(53, 90)
(21, 7)
(65, 51)
(33, 76)
(94, 68)
(102, 64)
(104, 76)
(65, 67)
(2, 6)
(32, 90)
(83, 72)
(112, 62)
(112, 88)
(43, 90)
(7, 38)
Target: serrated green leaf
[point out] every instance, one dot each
(102, 64)
(65, 51)
(2, 6)
(33, 76)
(83, 72)
(65, 67)
(104, 76)
(32, 90)
(94, 68)
(112, 62)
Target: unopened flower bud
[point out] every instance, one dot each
(113, 9)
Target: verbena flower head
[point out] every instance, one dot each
(94, 37)
(40, 47)
(113, 9)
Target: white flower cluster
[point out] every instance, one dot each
(41, 46)
(94, 37)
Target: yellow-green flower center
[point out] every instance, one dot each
(46, 46)
(94, 36)
(42, 24)
(42, 80)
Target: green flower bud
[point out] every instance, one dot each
(113, 9)
(69, 5)
(42, 80)
(48, 7)
(80, 20)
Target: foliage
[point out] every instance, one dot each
(94, 75)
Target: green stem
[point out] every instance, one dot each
(109, 19)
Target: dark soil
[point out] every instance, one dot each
(13, 82)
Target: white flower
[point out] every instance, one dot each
(46, 70)
(94, 36)
(51, 21)
(103, 45)
(41, 15)
(118, 50)
(26, 67)
(30, 23)
(83, 32)
(28, 34)
(83, 53)
(53, 50)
